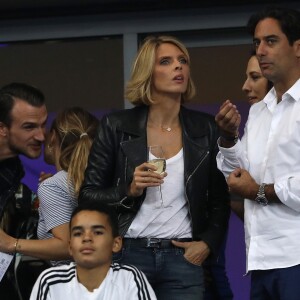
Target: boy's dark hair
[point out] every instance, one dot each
(94, 205)
(288, 19)
(23, 91)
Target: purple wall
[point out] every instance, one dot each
(235, 248)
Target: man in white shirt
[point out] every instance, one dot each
(93, 239)
(264, 167)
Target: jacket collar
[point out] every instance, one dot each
(136, 122)
(135, 125)
(192, 125)
(194, 129)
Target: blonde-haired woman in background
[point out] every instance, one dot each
(71, 136)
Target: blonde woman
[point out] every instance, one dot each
(171, 221)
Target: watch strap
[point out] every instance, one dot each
(261, 196)
(231, 138)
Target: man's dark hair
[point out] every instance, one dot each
(94, 205)
(16, 90)
(288, 19)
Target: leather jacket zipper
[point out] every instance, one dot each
(189, 206)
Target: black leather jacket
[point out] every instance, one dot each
(11, 173)
(14, 212)
(121, 145)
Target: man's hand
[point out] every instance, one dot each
(228, 119)
(44, 176)
(242, 184)
(195, 252)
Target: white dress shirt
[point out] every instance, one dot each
(270, 151)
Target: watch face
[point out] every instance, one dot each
(262, 200)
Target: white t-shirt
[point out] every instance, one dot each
(122, 282)
(173, 221)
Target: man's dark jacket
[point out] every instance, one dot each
(11, 173)
(121, 145)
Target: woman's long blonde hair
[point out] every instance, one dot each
(138, 89)
(75, 129)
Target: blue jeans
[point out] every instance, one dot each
(171, 276)
(217, 286)
(276, 284)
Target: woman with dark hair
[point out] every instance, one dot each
(256, 86)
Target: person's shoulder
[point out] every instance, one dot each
(11, 162)
(128, 120)
(59, 274)
(128, 275)
(54, 279)
(197, 114)
(12, 170)
(198, 123)
(124, 268)
(257, 107)
(57, 179)
(124, 114)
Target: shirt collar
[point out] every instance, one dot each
(270, 99)
(293, 93)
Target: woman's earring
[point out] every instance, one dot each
(50, 148)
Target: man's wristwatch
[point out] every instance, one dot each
(261, 197)
(233, 139)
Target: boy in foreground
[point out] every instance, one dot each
(93, 239)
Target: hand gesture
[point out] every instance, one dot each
(228, 119)
(44, 176)
(241, 183)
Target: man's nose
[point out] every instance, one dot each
(40, 134)
(261, 49)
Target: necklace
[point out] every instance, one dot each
(162, 127)
(166, 128)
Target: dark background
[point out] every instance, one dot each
(42, 8)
